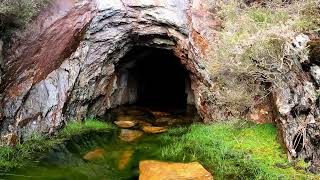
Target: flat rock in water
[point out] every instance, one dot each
(143, 123)
(125, 124)
(154, 130)
(95, 154)
(159, 114)
(156, 170)
(130, 135)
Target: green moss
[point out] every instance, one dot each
(22, 153)
(74, 128)
(233, 151)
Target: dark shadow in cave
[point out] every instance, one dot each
(160, 79)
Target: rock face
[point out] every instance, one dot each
(298, 106)
(156, 170)
(66, 67)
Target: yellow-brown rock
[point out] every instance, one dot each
(95, 154)
(154, 130)
(130, 135)
(125, 124)
(156, 170)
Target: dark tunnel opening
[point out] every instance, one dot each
(157, 78)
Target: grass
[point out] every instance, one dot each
(233, 151)
(229, 150)
(20, 155)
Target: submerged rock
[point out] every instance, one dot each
(156, 170)
(154, 130)
(167, 121)
(130, 135)
(143, 123)
(95, 154)
(125, 158)
(158, 114)
(125, 124)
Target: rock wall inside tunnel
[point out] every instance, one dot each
(74, 60)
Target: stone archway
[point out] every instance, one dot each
(48, 85)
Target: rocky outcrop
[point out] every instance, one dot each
(36, 75)
(65, 67)
(297, 104)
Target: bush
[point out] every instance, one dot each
(254, 50)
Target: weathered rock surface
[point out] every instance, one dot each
(298, 107)
(156, 170)
(130, 135)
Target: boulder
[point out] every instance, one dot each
(156, 170)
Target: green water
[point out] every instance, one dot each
(66, 161)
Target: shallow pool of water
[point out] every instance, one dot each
(99, 155)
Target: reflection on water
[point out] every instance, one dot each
(103, 155)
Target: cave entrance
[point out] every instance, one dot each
(156, 79)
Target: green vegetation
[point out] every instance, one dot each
(254, 50)
(229, 150)
(233, 151)
(19, 156)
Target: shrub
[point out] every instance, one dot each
(254, 49)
